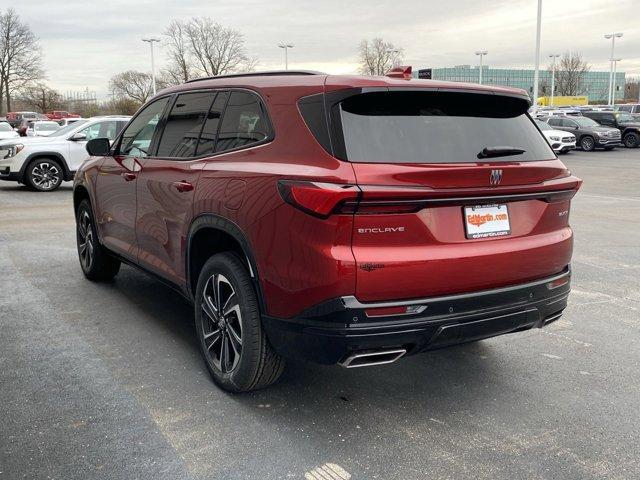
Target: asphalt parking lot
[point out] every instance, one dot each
(106, 381)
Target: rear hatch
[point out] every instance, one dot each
(460, 192)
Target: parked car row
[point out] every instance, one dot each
(44, 162)
(593, 129)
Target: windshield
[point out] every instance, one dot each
(586, 122)
(437, 127)
(625, 117)
(68, 129)
(5, 127)
(542, 125)
(47, 126)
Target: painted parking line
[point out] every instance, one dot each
(328, 471)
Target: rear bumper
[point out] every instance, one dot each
(330, 332)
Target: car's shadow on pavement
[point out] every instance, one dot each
(433, 378)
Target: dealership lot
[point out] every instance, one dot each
(106, 380)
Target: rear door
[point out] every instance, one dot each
(457, 193)
(168, 179)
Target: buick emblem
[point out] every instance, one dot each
(496, 177)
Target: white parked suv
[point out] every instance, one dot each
(43, 163)
(560, 141)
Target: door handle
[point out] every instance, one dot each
(128, 176)
(183, 186)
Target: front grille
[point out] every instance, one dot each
(568, 139)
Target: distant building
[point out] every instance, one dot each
(596, 84)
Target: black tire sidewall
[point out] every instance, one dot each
(631, 135)
(243, 376)
(32, 165)
(105, 266)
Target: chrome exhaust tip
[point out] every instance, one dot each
(369, 358)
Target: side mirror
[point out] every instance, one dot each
(98, 147)
(78, 137)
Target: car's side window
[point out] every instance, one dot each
(245, 122)
(107, 129)
(554, 122)
(136, 139)
(569, 123)
(207, 143)
(607, 120)
(183, 125)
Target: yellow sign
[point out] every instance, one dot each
(563, 101)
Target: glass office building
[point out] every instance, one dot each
(595, 84)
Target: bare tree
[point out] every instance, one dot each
(20, 56)
(42, 98)
(377, 57)
(132, 85)
(216, 50)
(570, 74)
(181, 63)
(632, 89)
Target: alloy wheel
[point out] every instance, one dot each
(45, 175)
(587, 143)
(631, 141)
(85, 241)
(221, 323)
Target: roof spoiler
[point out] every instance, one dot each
(400, 72)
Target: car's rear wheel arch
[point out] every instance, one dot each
(211, 234)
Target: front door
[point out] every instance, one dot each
(117, 178)
(167, 182)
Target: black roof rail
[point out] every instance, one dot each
(260, 74)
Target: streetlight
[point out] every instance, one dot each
(536, 72)
(553, 57)
(286, 47)
(481, 54)
(613, 88)
(150, 40)
(613, 37)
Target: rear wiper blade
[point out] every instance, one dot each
(491, 152)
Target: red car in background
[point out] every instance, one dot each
(337, 219)
(60, 114)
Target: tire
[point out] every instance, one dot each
(235, 347)
(95, 260)
(44, 174)
(587, 143)
(631, 140)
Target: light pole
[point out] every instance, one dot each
(150, 40)
(613, 37)
(286, 47)
(536, 72)
(613, 88)
(481, 54)
(553, 57)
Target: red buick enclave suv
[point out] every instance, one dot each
(338, 219)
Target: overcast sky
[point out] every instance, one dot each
(85, 43)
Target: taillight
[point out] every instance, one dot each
(319, 199)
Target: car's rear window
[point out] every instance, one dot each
(437, 127)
